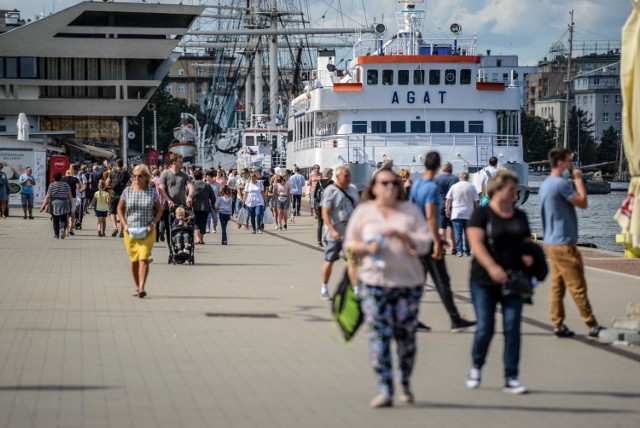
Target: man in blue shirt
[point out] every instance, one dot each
(297, 183)
(27, 181)
(560, 223)
(424, 193)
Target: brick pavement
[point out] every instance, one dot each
(76, 350)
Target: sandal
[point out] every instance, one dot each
(142, 294)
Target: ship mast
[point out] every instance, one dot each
(568, 81)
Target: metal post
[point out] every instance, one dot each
(142, 134)
(125, 140)
(568, 98)
(258, 82)
(155, 130)
(273, 65)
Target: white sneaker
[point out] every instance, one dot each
(324, 293)
(513, 386)
(474, 378)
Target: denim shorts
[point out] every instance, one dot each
(332, 250)
(27, 200)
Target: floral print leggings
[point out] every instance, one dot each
(392, 313)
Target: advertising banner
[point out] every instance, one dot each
(15, 163)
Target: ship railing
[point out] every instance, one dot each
(361, 141)
(399, 46)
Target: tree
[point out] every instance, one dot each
(168, 110)
(538, 137)
(581, 143)
(608, 149)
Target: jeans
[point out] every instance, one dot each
(212, 220)
(256, 214)
(224, 219)
(438, 271)
(320, 223)
(59, 223)
(392, 313)
(485, 298)
(567, 273)
(460, 229)
(297, 202)
(234, 201)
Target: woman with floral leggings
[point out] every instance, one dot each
(386, 234)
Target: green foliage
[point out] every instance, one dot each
(608, 149)
(582, 143)
(538, 137)
(168, 110)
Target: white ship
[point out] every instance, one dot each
(185, 144)
(402, 98)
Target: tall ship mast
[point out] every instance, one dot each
(401, 97)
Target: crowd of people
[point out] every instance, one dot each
(393, 235)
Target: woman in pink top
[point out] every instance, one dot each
(386, 234)
(314, 177)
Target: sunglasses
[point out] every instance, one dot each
(138, 176)
(385, 183)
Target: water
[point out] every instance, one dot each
(595, 224)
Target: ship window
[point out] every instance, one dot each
(450, 77)
(359, 127)
(476, 126)
(378, 126)
(403, 77)
(434, 77)
(437, 126)
(418, 127)
(249, 140)
(387, 77)
(465, 76)
(398, 126)
(456, 126)
(372, 77)
(418, 77)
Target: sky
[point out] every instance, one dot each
(526, 28)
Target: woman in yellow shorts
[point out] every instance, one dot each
(139, 211)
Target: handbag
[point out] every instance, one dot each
(518, 285)
(243, 216)
(138, 232)
(268, 217)
(345, 308)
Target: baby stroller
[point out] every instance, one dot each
(181, 235)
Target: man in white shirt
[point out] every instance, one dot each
(488, 172)
(462, 199)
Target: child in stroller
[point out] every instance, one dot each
(182, 232)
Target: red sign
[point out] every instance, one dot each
(58, 163)
(152, 157)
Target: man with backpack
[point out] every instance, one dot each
(321, 185)
(488, 172)
(118, 180)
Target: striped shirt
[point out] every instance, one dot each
(59, 190)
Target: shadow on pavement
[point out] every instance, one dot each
(54, 388)
(542, 409)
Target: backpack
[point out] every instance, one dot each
(318, 193)
(119, 182)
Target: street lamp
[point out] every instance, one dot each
(200, 133)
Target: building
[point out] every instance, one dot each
(190, 78)
(499, 68)
(597, 91)
(80, 73)
(547, 82)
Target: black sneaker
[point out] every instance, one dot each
(423, 327)
(162, 237)
(25, 217)
(594, 332)
(461, 325)
(563, 332)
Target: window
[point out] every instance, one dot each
(11, 68)
(372, 77)
(169, 87)
(618, 117)
(591, 99)
(434, 77)
(618, 99)
(181, 72)
(499, 63)
(398, 126)
(494, 77)
(387, 77)
(465, 76)
(450, 77)
(403, 77)
(476, 126)
(28, 68)
(584, 99)
(1, 68)
(378, 126)
(605, 99)
(505, 76)
(418, 126)
(182, 87)
(359, 127)
(198, 71)
(418, 77)
(605, 117)
(456, 126)
(437, 127)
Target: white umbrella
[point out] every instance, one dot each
(23, 127)
(628, 216)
